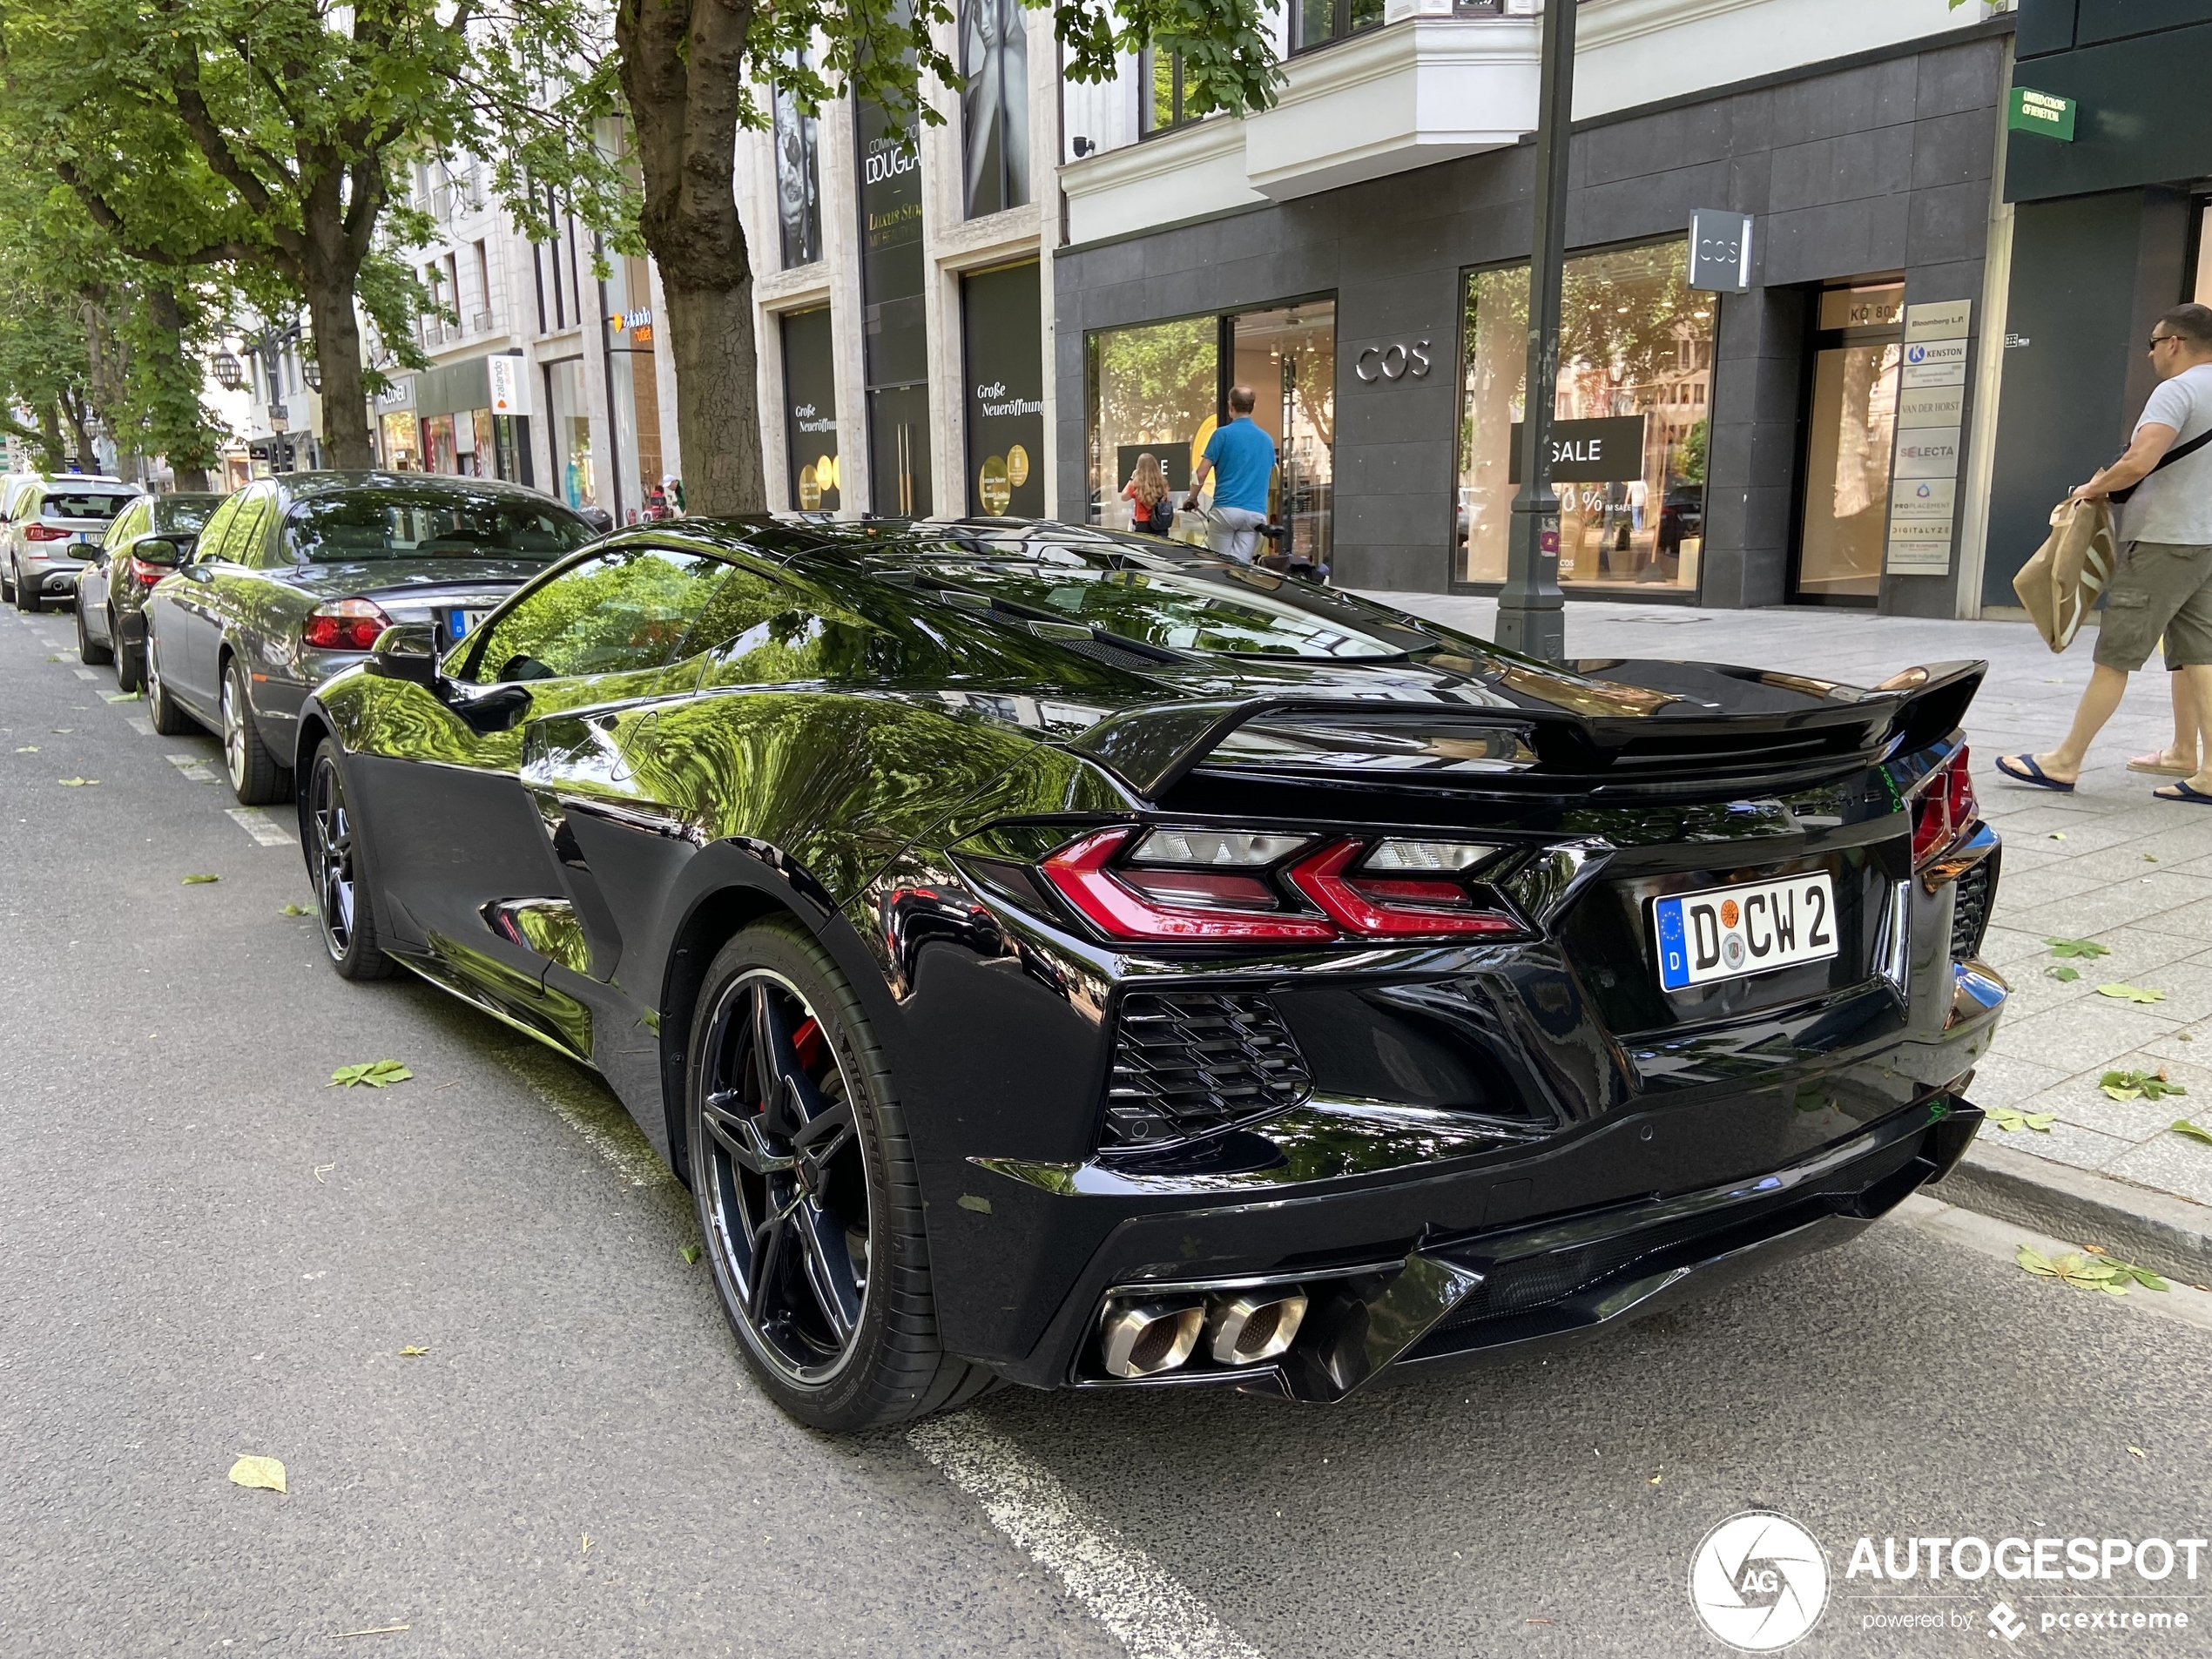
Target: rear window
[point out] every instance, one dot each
(186, 516)
(84, 504)
(371, 524)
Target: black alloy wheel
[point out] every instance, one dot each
(256, 777)
(167, 714)
(129, 665)
(88, 649)
(806, 1191)
(337, 862)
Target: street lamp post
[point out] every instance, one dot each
(1532, 611)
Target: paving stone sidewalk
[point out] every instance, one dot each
(2105, 863)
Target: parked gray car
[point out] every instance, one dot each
(148, 539)
(56, 524)
(295, 577)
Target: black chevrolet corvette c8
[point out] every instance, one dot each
(1062, 958)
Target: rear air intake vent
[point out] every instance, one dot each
(1969, 909)
(1186, 1065)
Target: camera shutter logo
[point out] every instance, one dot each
(1758, 1581)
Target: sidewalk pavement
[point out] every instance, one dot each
(2107, 863)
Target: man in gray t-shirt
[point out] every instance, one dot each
(2162, 585)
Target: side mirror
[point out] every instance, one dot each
(158, 550)
(407, 651)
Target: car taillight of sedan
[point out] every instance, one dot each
(46, 533)
(1208, 886)
(344, 625)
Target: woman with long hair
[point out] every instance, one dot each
(1147, 494)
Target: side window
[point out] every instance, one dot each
(125, 525)
(626, 610)
(218, 526)
(243, 536)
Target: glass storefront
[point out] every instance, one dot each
(810, 411)
(571, 433)
(401, 439)
(1289, 357)
(1151, 389)
(1850, 428)
(1630, 415)
(1002, 315)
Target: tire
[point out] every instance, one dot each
(26, 598)
(87, 650)
(167, 714)
(780, 1181)
(338, 865)
(8, 582)
(256, 777)
(130, 671)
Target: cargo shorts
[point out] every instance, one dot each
(2158, 587)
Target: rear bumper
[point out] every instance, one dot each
(1496, 1295)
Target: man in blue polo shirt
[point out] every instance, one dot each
(1242, 459)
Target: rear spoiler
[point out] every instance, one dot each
(1154, 747)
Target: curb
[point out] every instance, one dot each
(2150, 1229)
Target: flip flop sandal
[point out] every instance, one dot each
(2155, 763)
(2022, 769)
(2182, 791)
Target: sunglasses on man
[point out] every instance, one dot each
(2156, 341)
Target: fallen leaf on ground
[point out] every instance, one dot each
(2063, 974)
(2057, 835)
(2005, 1119)
(2131, 993)
(28, 749)
(414, 1353)
(690, 1253)
(265, 1472)
(2182, 1126)
(295, 910)
(1653, 1480)
(126, 697)
(2138, 1085)
(2150, 858)
(2077, 948)
(377, 1074)
(199, 880)
(2137, 1451)
(77, 783)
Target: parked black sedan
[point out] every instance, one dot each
(1058, 957)
(294, 578)
(148, 539)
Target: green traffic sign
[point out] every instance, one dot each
(2041, 112)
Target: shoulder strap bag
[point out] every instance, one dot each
(2180, 451)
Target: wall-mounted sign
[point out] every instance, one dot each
(1720, 251)
(2046, 114)
(1931, 439)
(1609, 451)
(1396, 361)
(510, 383)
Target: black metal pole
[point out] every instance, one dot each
(1532, 611)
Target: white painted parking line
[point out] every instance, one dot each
(85, 673)
(196, 767)
(263, 828)
(1152, 1613)
(142, 724)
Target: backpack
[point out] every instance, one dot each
(1159, 518)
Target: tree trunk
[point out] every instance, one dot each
(87, 458)
(50, 438)
(717, 397)
(188, 452)
(346, 441)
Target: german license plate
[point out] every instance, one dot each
(1727, 933)
(464, 623)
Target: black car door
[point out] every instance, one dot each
(464, 861)
(188, 625)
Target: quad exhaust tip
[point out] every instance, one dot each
(1240, 1327)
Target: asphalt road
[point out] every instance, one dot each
(209, 1252)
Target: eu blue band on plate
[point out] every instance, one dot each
(1674, 957)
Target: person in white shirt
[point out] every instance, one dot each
(2162, 587)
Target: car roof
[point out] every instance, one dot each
(303, 486)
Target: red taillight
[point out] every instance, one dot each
(1392, 906)
(1944, 809)
(344, 625)
(148, 574)
(1177, 906)
(44, 533)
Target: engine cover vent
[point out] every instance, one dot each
(1188, 1064)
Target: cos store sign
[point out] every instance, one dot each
(1395, 362)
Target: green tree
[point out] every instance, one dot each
(274, 137)
(689, 69)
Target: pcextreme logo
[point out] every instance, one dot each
(1758, 1581)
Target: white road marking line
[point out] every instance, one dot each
(85, 673)
(258, 824)
(142, 724)
(1154, 1616)
(196, 767)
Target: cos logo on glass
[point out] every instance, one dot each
(1758, 1581)
(1391, 362)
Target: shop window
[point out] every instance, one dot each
(810, 411)
(571, 433)
(995, 105)
(1289, 357)
(1851, 428)
(1152, 390)
(1630, 411)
